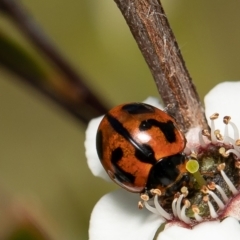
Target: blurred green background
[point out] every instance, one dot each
(42, 162)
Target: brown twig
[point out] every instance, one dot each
(86, 105)
(150, 28)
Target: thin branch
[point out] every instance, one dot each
(150, 28)
(86, 99)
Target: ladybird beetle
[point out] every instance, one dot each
(141, 148)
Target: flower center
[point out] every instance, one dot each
(213, 169)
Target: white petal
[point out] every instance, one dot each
(91, 152)
(225, 100)
(116, 216)
(227, 229)
(154, 102)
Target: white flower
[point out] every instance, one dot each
(116, 215)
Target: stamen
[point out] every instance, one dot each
(235, 130)
(174, 209)
(213, 137)
(183, 212)
(184, 192)
(217, 199)
(160, 209)
(213, 213)
(150, 208)
(219, 202)
(226, 134)
(226, 179)
(234, 151)
(196, 211)
(223, 194)
(235, 143)
(179, 200)
(226, 120)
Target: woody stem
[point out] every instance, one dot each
(150, 28)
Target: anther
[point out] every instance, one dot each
(206, 133)
(196, 212)
(237, 164)
(204, 189)
(184, 191)
(144, 197)
(140, 205)
(211, 186)
(156, 192)
(218, 135)
(205, 198)
(237, 142)
(214, 116)
(222, 151)
(226, 119)
(221, 166)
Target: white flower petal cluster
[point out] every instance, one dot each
(116, 215)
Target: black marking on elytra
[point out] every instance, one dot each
(99, 144)
(167, 128)
(120, 174)
(138, 108)
(120, 129)
(143, 158)
(116, 156)
(165, 173)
